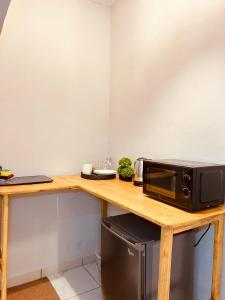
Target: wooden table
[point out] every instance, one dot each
(131, 198)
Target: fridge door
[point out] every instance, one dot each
(122, 267)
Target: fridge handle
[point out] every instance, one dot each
(138, 247)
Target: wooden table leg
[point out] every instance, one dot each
(217, 258)
(104, 206)
(166, 247)
(4, 240)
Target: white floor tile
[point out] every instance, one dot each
(61, 287)
(94, 271)
(72, 283)
(92, 295)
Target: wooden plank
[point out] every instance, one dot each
(5, 216)
(127, 196)
(166, 247)
(217, 258)
(59, 183)
(197, 224)
(104, 207)
(0, 259)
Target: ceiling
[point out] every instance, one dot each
(105, 2)
(3, 12)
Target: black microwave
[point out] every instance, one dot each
(188, 185)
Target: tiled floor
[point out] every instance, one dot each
(81, 283)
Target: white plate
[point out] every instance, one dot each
(105, 172)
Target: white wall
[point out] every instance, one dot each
(54, 62)
(54, 103)
(168, 88)
(167, 100)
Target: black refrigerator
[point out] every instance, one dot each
(130, 260)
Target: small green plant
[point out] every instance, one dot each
(126, 171)
(125, 162)
(125, 168)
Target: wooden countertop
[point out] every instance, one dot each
(126, 196)
(59, 183)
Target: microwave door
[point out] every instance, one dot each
(167, 185)
(162, 182)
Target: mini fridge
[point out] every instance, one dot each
(130, 260)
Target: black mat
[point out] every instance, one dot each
(98, 176)
(25, 180)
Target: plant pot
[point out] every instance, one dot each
(128, 179)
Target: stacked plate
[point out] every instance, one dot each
(100, 175)
(104, 172)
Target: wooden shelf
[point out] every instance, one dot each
(59, 183)
(124, 195)
(129, 197)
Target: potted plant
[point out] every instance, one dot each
(125, 169)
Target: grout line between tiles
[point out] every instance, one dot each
(82, 293)
(92, 276)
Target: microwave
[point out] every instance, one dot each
(188, 185)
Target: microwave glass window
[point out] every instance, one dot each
(162, 181)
